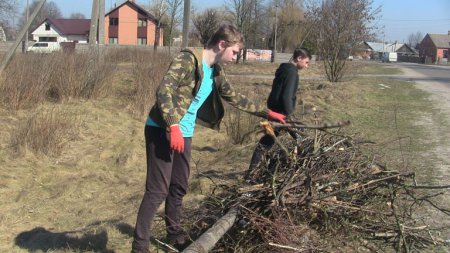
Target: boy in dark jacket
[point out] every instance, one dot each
(191, 91)
(282, 98)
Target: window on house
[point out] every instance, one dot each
(113, 40)
(47, 39)
(446, 54)
(142, 41)
(47, 27)
(114, 21)
(142, 22)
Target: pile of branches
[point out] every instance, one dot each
(324, 185)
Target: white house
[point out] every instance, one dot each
(62, 30)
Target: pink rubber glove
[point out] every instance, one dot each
(276, 116)
(176, 139)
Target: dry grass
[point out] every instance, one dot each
(32, 79)
(44, 132)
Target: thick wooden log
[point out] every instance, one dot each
(208, 239)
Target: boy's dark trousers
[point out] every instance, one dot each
(167, 179)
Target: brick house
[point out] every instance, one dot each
(434, 48)
(130, 24)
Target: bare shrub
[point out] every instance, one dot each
(84, 75)
(24, 82)
(240, 125)
(44, 132)
(33, 78)
(123, 54)
(148, 70)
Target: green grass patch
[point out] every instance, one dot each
(387, 113)
(380, 69)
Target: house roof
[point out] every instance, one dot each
(440, 40)
(407, 49)
(132, 3)
(384, 47)
(70, 26)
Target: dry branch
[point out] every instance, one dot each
(324, 180)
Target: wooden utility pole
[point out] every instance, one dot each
(186, 18)
(274, 52)
(13, 48)
(101, 22)
(25, 39)
(94, 23)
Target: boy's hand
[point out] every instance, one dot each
(176, 139)
(276, 116)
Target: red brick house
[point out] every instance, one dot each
(130, 24)
(434, 48)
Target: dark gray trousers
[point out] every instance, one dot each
(167, 179)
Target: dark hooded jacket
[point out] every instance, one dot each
(283, 96)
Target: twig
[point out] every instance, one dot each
(399, 225)
(166, 245)
(284, 247)
(293, 124)
(429, 186)
(364, 185)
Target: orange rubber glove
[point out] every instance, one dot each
(276, 116)
(176, 139)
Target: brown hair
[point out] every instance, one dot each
(227, 33)
(302, 52)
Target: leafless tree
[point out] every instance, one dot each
(338, 27)
(8, 10)
(292, 28)
(174, 11)
(206, 23)
(49, 10)
(414, 39)
(77, 15)
(241, 16)
(158, 8)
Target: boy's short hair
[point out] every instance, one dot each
(302, 52)
(227, 33)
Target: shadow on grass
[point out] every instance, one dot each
(235, 175)
(125, 229)
(40, 239)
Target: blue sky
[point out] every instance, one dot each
(400, 18)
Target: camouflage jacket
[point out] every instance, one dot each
(182, 82)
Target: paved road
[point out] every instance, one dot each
(428, 73)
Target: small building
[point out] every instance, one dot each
(434, 48)
(62, 30)
(375, 50)
(406, 50)
(130, 24)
